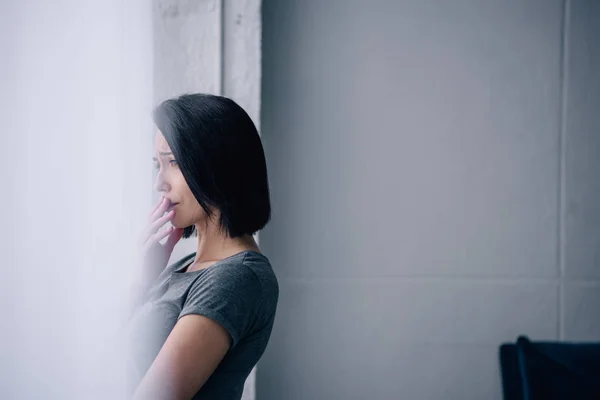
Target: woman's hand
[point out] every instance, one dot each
(155, 255)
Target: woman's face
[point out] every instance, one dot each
(171, 184)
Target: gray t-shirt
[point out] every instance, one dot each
(239, 292)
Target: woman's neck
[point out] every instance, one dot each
(213, 247)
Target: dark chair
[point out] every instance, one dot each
(550, 370)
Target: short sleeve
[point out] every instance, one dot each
(229, 295)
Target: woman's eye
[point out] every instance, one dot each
(156, 166)
(173, 162)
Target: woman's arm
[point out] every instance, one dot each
(191, 353)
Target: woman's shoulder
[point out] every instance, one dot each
(246, 265)
(248, 272)
(260, 265)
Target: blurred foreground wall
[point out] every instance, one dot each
(75, 104)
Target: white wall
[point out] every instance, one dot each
(433, 171)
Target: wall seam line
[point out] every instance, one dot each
(564, 54)
(222, 50)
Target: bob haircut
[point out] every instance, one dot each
(220, 154)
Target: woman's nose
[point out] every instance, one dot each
(160, 184)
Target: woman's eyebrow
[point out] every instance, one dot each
(162, 153)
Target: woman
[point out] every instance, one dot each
(203, 322)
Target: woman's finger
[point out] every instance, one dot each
(174, 237)
(164, 204)
(158, 236)
(155, 207)
(155, 226)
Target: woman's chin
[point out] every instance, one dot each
(177, 224)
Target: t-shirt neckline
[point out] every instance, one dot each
(179, 270)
